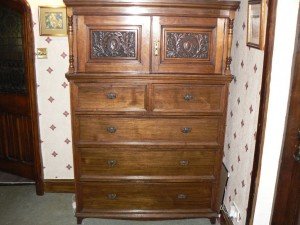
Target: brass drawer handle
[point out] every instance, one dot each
(111, 96)
(112, 163)
(188, 97)
(182, 196)
(156, 46)
(111, 130)
(186, 130)
(184, 162)
(112, 196)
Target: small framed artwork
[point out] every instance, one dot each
(53, 21)
(256, 24)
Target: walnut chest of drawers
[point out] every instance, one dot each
(149, 86)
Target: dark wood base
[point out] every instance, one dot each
(59, 186)
(146, 216)
(79, 220)
(213, 220)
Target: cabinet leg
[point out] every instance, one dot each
(79, 220)
(213, 220)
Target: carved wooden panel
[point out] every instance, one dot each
(187, 45)
(113, 44)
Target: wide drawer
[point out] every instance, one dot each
(203, 130)
(108, 162)
(188, 98)
(105, 196)
(111, 97)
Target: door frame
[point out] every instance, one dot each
(29, 54)
(263, 110)
(282, 192)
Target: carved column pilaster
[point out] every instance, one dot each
(70, 36)
(229, 45)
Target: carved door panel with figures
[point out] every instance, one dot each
(188, 45)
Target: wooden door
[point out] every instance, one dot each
(287, 203)
(188, 45)
(16, 130)
(113, 44)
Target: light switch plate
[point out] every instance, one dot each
(42, 53)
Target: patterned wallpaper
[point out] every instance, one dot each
(242, 117)
(55, 121)
(53, 100)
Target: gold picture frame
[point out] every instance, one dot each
(53, 21)
(256, 24)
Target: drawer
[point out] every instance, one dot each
(107, 162)
(111, 97)
(143, 196)
(203, 130)
(188, 98)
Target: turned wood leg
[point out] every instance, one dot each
(213, 220)
(79, 220)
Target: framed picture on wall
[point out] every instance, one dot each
(53, 21)
(256, 24)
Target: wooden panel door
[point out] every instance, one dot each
(188, 45)
(287, 202)
(113, 44)
(16, 140)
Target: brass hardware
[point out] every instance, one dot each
(297, 155)
(112, 196)
(42, 53)
(184, 162)
(112, 163)
(111, 130)
(186, 130)
(156, 46)
(182, 196)
(188, 97)
(111, 95)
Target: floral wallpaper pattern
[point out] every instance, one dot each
(242, 116)
(53, 100)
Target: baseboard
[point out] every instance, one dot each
(59, 186)
(225, 220)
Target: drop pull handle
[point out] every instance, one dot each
(156, 47)
(182, 196)
(111, 130)
(111, 96)
(112, 163)
(186, 130)
(112, 196)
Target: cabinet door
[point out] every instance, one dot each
(113, 43)
(188, 45)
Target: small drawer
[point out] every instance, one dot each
(96, 163)
(188, 98)
(109, 197)
(203, 130)
(111, 97)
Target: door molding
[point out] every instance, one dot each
(263, 110)
(285, 205)
(29, 52)
(32, 91)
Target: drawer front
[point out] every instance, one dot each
(121, 129)
(111, 97)
(96, 163)
(188, 98)
(144, 196)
